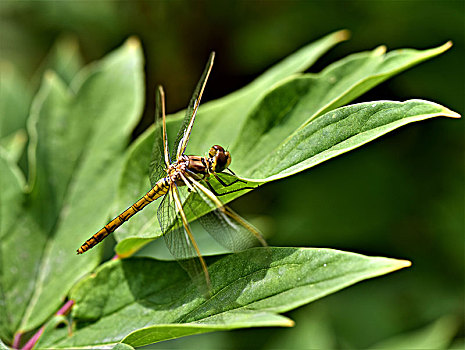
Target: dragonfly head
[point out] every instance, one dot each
(218, 159)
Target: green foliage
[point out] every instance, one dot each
(233, 110)
(76, 143)
(79, 173)
(278, 128)
(437, 335)
(159, 302)
(15, 99)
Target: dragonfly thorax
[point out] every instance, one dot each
(179, 167)
(218, 160)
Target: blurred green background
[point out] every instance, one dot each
(401, 196)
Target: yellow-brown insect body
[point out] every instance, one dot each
(160, 189)
(218, 159)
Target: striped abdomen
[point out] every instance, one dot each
(160, 189)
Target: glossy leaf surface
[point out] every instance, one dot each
(141, 301)
(77, 137)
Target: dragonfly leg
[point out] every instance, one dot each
(234, 174)
(228, 184)
(227, 192)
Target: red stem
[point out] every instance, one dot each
(17, 340)
(30, 344)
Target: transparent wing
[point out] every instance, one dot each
(180, 241)
(160, 152)
(222, 223)
(184, 132)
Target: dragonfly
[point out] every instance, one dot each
(184, 183)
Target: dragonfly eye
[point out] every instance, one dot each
(213, 150)
(219, 158)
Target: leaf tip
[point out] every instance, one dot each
(342, 35)
(401, 264)
(452, 114)
(288, 323)
(438, 50)
(446, 46)
(446, 112)
(49, 75)
(380, 50)
(133, 42)
(68, 41)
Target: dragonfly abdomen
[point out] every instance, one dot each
(160, 189)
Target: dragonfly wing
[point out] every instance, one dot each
(184, 132)
(179, 240)
(222, 223)
(160, 152)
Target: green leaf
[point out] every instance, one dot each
(133, 184)
(11, 201)
(207, 246)
(51, 334)
(340, 131)
(326, 137)
(296, 102)
(458, 344)
(281, 116)
(16, 93)
(313, 331)
(140, 301)
(437, 335)
(11, 195)
(122, 346)
(64, 59)
(15, 99)
(233, 110)
(220, 121)
(153, 334)
(330, 135)
(75, 154)
(50, 328)
(14, 144)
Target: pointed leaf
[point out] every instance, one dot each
(299, 100)
(11, 201)
(277, 119)
(340, 131)
(64, 59)
(153, 334)
(232, 109)
(15, 99)
(14, 145)
(333, 134)
(143, 300)
(438, 335)
(77, 140)
(11, 195)
(220, 121)
(326, 137)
